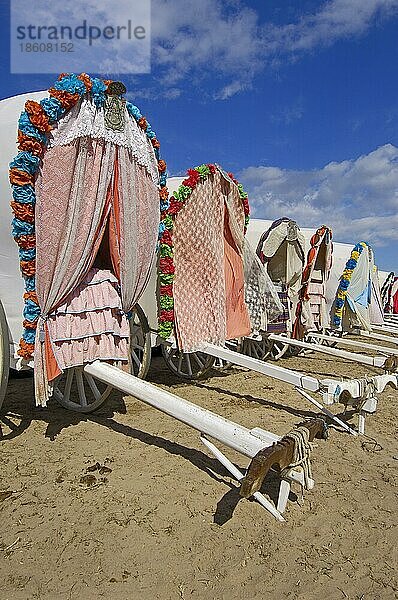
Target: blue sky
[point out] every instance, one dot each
(298, 99)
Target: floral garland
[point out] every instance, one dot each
(170, 208)
(34, 125)
(345, 282)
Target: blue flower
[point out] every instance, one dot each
(336, 321)
(339, 303)
(53, 109)
(351, 264)
(27, 254)
(98, 92)
(31, 310)
(25, 194)
(162, 228)
(163, 179)
(27, 128)
(29, 335)
(149, 131)
(21, 228)
(72, 84)
(25, 161)
(157, 153)
(30, 284)
(133, 111)
(164, 205)
(344, 283)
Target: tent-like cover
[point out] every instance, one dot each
(311, 311)
(281, 250)
(357, 302)
(212, 287)
(85, 188)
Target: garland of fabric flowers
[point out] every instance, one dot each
(170, 208)
(34, 125)
(345, 279)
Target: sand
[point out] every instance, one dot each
(164, 521)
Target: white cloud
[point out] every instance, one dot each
(223, 40)
(357, 198)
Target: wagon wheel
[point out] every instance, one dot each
(235, 345)
(276, 350)
(193, 365)
(79, 391)
(140, 343)
(4, 354)
(256, 348)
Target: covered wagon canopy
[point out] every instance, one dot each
(86, 195)
(311, 311)
(357, 301)
(281, 248)
(212, 286)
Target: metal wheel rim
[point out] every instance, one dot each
(193, 365)
(140, 343)
(90, 396)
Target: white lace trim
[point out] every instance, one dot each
(86, 120)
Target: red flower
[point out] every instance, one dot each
(212, 169)
(66, 99)
(166, 290)
(175, 206)
(166, 266)
(27, 242)
(162, 166)
(142, 122)
(166, 315)
(37, 116)
(23, 212)
(192, 179)
(18, 177)
(28, 267)
(164, 193)
(86, 80)
(29, 144)
(26, 350)
(166, 238)
(29, 324)
(246, 206)
(155, 143)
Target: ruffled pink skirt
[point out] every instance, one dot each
(90, 325)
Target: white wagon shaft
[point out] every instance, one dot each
(247, 442)
(360, 393)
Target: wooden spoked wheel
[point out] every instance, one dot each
(193, 365)
(4, 354)
(276, 350)
(140, 343)
(79, 391)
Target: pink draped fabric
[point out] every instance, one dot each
(209, 282)
(75, 192)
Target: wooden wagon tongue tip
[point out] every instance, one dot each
(280, 454)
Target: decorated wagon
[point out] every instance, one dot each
(88, 194)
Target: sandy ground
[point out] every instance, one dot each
(164, 520)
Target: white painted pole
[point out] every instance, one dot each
(353, 343)
(326, 411)
(287, 375)
(379, 336)
(373, 361)
(227, 432)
